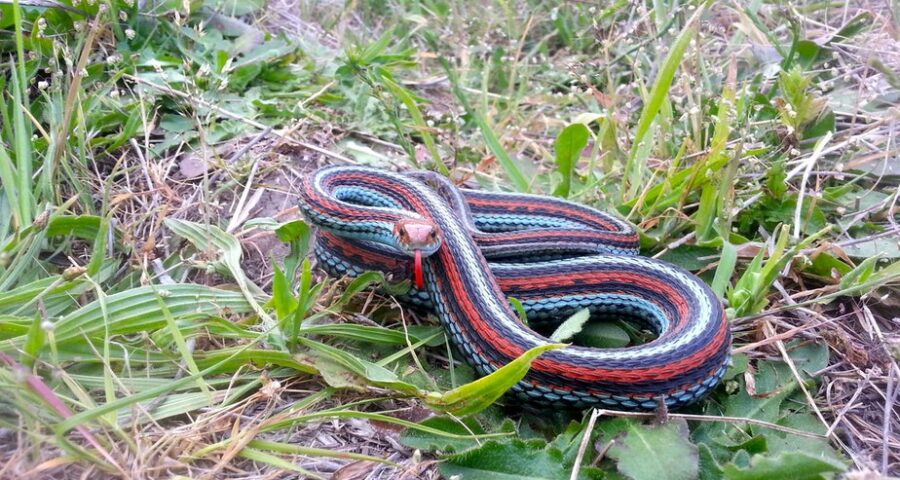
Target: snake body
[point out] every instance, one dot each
(555, 256)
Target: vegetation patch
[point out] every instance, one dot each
(161, 313)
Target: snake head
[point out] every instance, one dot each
(414, 235)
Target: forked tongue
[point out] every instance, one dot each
(420, 274)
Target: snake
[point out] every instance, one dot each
(466, 252)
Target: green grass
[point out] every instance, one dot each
(158, 305)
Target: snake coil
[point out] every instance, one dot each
(556, 257)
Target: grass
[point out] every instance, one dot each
(160, 315)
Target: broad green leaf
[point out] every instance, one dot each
(313, 452)
(651, 452)
(787, 466)
(572, 326)
(186, 354)
(297, 234)
(514, 460)
(82, 226)
(709, 468)
(879, 247)
(807, 52)
(8, 179)
(690, 257)
(766, 408)
(98, 253)
(824, 123)
(602, 335)
(740, 362)
(808, 358)
(173, 405)
(370, 52)
(22, 147)
(569, 144)
(308, 294)
(427, 441)
(827, 265)
(480, 394)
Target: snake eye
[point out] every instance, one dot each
(401, 233)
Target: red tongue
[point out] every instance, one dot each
(420, 274)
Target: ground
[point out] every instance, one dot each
(157, 318)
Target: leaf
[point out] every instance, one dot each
(571, 326)
(233, 359)
(282, 298)
(690, 257)
(807, 52)
(515, 460)
(648, 452)
(740, 362)
(706, 213)
(520, 309)
(884, 247)
(792, 466)
(297, 234)
(13, 326)
(82, 226)
(727, 262)
(33, 343)
(602, 335)
(569, 144)
(293, 231)
(372, 373)
(825, 264)
(781, 443)
(808, 357)
(480, 394)
(313, 452)
(766, 408)
(137, 310)
(211, 237)
(824, 123)
(359, 284)
(275, 461)
(428, 441)
(709, 467)
(853, 27)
